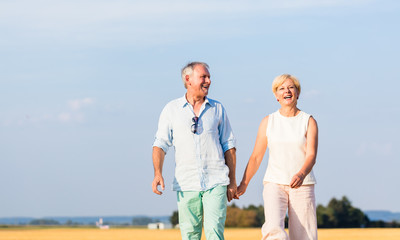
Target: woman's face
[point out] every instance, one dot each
(287, 93)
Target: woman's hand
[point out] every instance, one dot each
(297, 180)
(241, 189)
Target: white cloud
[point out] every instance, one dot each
(64, 117)
(76, 112)
(146, 22)
(89, 11)
(78, 104)
(24, 119)
(68, 117)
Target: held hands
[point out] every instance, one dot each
(231, 192)
(158, 180)
(241, 189)
(297, 180)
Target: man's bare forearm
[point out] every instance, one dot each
(230, 160)
(158, 160)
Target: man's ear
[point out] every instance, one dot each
(187, 77)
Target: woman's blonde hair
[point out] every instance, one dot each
(281, 78)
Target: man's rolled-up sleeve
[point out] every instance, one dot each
(226, 136)
(163, 138)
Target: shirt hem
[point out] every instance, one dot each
(199, 189)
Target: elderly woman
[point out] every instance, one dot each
(292, 138)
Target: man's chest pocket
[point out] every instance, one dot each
(208, 125)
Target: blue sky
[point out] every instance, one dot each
(82, 84)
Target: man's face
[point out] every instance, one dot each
(199, 82)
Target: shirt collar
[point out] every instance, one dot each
(183, 101)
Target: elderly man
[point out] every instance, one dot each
(205, 155)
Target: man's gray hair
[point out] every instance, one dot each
(188, 70)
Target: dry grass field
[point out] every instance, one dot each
(173, 234)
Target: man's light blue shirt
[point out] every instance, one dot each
(199, 157)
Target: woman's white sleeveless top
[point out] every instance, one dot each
(287, 148)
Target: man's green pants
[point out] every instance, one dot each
(193, 205)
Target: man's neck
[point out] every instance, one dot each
(195, 101)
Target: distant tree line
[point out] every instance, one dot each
(341, 214)
(44, 222)
(138, 221)
(250, 216)
(337, 214)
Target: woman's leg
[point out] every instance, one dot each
(275, 207)
(302, 213)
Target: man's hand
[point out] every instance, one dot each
(230, 161)
(158, 180)
(158, 160)
(231, 192)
